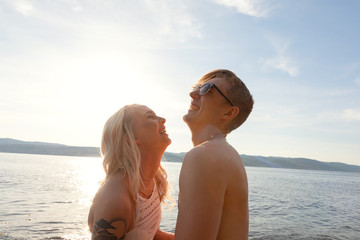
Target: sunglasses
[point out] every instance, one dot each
(205, 88)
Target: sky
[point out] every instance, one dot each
(67, 65)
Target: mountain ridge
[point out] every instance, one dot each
(10, 145)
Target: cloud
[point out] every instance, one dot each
(357, 81)
(74, 5)
(173, 19)
(334, 92)
(283, 63)
(351, 115)
(255, 8)
(282, 60)
(274, 116)
(113, 21)
(22, 6)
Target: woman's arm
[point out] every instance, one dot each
(161, 235)
(110, 216)
(108, 229)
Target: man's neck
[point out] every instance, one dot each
(205, 134)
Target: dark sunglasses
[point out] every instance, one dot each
(205, 88)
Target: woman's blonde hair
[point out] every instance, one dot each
(120, 153)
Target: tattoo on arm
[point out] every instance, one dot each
(113, 230)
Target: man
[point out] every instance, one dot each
(213, 198)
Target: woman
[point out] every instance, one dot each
(127, 204)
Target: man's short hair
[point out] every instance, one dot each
(237, 92)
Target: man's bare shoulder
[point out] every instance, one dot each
(213, 152)
(205, 161)
(209, 151)
(215, 158)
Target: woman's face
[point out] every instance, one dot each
(149, 130)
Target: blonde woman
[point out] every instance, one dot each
(127, 204)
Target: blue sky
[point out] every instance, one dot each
(67, 65)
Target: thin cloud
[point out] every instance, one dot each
(254, 8)
(173, 19)
(74, 5)
(335, 92)
(279, 116)
(161, 20)
(282, 61)
(351, 115)
(357, 81)
(284, 64)
(22, 6)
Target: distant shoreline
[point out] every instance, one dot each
(52, 154)
(8, 145)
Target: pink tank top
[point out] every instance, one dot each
(147, 218)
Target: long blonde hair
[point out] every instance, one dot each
(120, 153)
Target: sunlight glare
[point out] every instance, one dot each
(89, 178)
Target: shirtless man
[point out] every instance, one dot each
(213, 198)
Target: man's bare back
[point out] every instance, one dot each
(235, 217)
(214, 191)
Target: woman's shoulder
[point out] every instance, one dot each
(111, 204)
(113, 191)
(112, 199)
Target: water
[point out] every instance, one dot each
(48, 197)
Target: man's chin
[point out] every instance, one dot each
(186, 118)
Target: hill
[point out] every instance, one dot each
(16, 146)
(297, 163)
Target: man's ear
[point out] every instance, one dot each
(231, 113)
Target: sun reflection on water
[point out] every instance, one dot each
(82, 235)
(88, 178)
(85, 178)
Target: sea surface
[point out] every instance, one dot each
(48, 197)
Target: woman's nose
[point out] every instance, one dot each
(162, 120)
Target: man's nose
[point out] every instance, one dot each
(194, 93)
